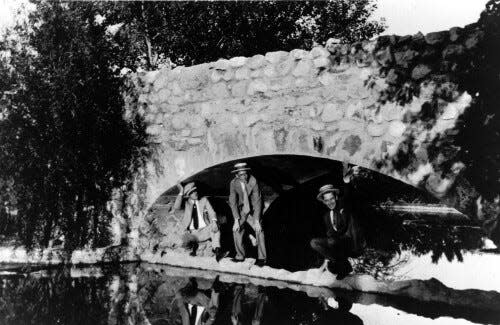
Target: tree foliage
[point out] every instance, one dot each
(63, 140)
(190, 32)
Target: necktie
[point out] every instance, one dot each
(194, 216)
(246, 202)
(192, 317)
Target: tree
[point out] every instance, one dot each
(196, 32)
(63, 139)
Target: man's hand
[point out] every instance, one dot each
(180, 188)
(236, 225)
(214, 226)
(349, 171)
(258, 227)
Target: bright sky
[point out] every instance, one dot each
(402, 16)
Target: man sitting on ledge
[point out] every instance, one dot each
(199, 221)
(343, 233)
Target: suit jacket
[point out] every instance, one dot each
(347, 224)
(254, 198)
(204, 205)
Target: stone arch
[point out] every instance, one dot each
(282, 177)
(342, 102)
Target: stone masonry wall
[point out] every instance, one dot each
(360, 103)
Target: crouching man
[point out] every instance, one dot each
(343, 234)
(199, 221)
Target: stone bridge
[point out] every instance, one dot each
(340, 102)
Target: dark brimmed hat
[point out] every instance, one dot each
(240, 167)
(190, 187)
(328, 188)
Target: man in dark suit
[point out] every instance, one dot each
(246, 204)
(199, 220)
(344, 236)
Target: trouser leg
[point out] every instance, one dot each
(237, 310)
(261, 246)
(238, 243)
(336, 250)
(207, 233)
(259, 308)
(331, 248)
(215, 237)
(261, 241)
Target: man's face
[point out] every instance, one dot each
(242, 175)
(194, 195)
(330, 200)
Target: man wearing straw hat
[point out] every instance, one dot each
(245, 200)
(199, 221)
(343, 234)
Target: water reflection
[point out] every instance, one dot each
(239, 304)
(142, 295)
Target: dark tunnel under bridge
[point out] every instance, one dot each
(292, 215)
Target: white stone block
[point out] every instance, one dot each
(321, 62)
(276, 57)
(256, 61)
(319, 51)
(331, 112)
(237, 61)
(397, 128)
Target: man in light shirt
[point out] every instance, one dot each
(343, 233)
(245, 199)
(199, 221)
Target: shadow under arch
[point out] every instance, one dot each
(292, 216)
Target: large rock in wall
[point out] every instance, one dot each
(378, 104)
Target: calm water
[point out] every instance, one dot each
(147, 294)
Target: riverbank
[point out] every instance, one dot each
(471, 282)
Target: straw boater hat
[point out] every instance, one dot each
(328, 188)
(190, 187)
(240, 167)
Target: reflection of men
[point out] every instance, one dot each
(336, 311)
(195, 307)
(237, 316)
(343, 234)
(245, 200)
(199, 221)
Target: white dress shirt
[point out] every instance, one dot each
(332, 220)
(201, 220)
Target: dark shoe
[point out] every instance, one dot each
(219, 254)
(236, 260)
(344, 270)
(333, 267)
(260, 263)
(217, 285)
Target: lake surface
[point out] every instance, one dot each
(153, 294)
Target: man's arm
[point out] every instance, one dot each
(256, 197)
(233, 201)
(178, 200)
(177, 204)
(211, 212)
